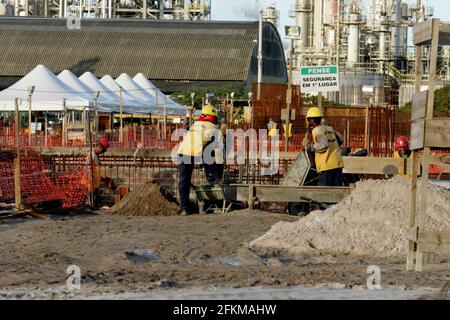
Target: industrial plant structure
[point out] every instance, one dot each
(149, 9)
(372, 45)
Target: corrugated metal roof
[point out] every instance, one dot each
(163, 50)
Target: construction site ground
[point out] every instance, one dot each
(175, 257)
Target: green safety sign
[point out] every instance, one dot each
(319, 79)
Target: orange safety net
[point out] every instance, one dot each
(42, 180)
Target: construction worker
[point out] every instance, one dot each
(325, 142)
(94, 170)
(402, 151)
(191, 151)
(272, 127)
(402, 148)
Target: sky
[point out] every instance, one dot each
(248, 10)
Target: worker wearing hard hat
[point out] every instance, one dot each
(325, 142)
(94, 186)
(402, 151)
(201, 134)
(402, 148)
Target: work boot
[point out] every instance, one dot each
(184, 212)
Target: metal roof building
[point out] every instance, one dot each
(174, 54)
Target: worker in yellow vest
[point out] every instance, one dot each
(289, 132)
(325, 142)
(191, 151)
(272, 127)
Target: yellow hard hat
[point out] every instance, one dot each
(314, 112)
(209, 110)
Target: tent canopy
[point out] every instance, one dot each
(130, 104)
(84, 91)
(139, 95)
(127, 83)
(48, 95)
(172, 107)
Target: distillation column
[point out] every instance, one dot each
(353, 34)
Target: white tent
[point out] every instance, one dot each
(130, 103)
(131, 87)
(106, 94)
(49, 93)
(172, 107)
(81, 89)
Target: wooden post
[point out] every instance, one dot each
(142, 135)
(64, 124)
(18, 195)
(165, 118)
(251, 199)
(412, 210)
(320, 101)
(414, 170)
(241, 174)
(46, 129)
(29, 120)
(121, 118)
(366, 129)
(289, 99)
(85, 130)
(348, 133)
(426, 152)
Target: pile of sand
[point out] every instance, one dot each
(148, 199)
(371, 222)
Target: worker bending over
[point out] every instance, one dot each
(201, 135)
(101, 147)
(402, 151)
(325, 142)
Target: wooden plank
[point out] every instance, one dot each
(443, 160)
(374, 165)
(423, 32)
(435, 242)
(412, 211)
(411, 234)
(250, 197)
(17, 188)
(437, 133)
(444, 34)
(417, 135)
(291, 194)
(419, 105)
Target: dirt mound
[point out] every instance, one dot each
(149, 199)
(371, 222)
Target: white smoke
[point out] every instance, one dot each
(236, 9)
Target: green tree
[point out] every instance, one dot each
(441, 103)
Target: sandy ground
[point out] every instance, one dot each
(187, 257)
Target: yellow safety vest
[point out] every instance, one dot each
(272, 126)
(290, 130)
(196, 138)
(331, 158)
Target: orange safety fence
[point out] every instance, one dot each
(42, 180)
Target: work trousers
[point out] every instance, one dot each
(332, 178)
